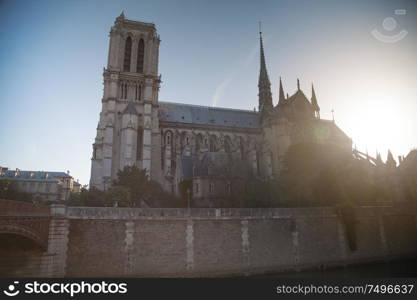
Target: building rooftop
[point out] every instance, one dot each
(33, 175)
(207, 115)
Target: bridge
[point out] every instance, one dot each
(30, 239)
(61, 241)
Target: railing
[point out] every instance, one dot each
(211, 213)
(18, 208)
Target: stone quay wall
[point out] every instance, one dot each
(135, 242)
(196, 242)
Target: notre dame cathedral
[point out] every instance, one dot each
(211, 148)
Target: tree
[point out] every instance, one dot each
(118, 195)
(91, 197)
(136, 181)
(10, 191)
(143, 190)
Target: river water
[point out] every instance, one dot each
(400, 268)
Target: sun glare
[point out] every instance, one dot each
(378, 121)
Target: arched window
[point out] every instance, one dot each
(227, 144)
(198, 142)
(213, 144)
(228, 188)
(242, 147)
(141, 54)
(123, 90)
(138, 92)
(128, 51)
(211, 187)
(168, 140)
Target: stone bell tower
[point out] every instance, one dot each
(128, 129)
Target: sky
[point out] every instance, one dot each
(360, 55)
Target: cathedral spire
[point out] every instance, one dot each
(120, 18)
(264, 85)
(316, 106)
(378, 159)
(281, 93)
(390, 160)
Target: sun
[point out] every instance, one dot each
(378, 122)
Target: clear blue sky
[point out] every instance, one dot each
(52, 55)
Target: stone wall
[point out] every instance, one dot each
(222, 242)
(176, 242)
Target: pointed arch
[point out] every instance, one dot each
(128, 52)
(227, 144)
(198, 142)
(168, 138)
(213, 143)
(141, 56)
(242, 148)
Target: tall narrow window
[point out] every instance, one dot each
(242, 148)
(168, 138)
(124, 90)
(141, 54)
(213, 143)
(173, 165)
(227, 144)
(228, 188)
(139, 145)
(198, 142)
(258, 171)
(128, 51)
(138, 92)
(211, 187)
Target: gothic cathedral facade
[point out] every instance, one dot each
(211, 148)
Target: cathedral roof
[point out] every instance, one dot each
(296, 106)
(299, 96)
(206, 115)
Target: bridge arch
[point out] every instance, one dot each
(25, 232)
(21, 252)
